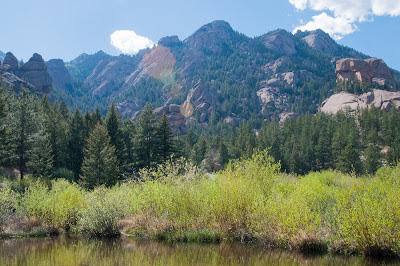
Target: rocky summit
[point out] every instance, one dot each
(59, 74)
(35, 71)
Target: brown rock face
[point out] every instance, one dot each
(35, 71)
(59, 74)
(279, 41)
(201, 98)
(369, 70)
(320, 40)
(381, 99)
(11, 60)
(176, 119)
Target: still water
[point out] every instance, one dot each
(128, 251)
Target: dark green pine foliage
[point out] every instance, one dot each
(24, 126)
(114, 127)
(100, 165)
(96, 118)
(87, 121)
(64, 111)
(5, 149)
(129, 132)
(55, 127)
(372, 152)
(223, 156)
(166, 144)
(76, 142)
(199, 151)
(41, 162)
(145, 139)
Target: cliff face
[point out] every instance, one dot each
(59, 74)
(372, 70)
(381, 99)
(32, 75)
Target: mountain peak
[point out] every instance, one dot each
(279, 41)
(319, 40)
(213, 36)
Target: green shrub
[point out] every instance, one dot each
(8, 204)
(101, 215)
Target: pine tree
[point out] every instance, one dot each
(372, 153)
(41, 159)
(5, 147)
(223, 156)
(100, 165)
(166, 145)
(146, 138)
(76, 141)
(24, 126)
(64, 111)
(114, 127)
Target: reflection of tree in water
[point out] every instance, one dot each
(127, 251)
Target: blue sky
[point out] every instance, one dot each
(65, 29)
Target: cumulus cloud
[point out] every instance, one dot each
(345, 14)
(128, 42)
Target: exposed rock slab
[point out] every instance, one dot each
(286, 115)
(320, 40)
(59, 74)
(381, 99)
(369, 70)
(201, 98)
(279, 41)
(176, 119)
(35, 71)
(11, 60)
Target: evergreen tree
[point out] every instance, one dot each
(64, 111)
(5, 151)
(223, 156)
(372, 153)
(76, 141)
(114, 128)
(100, 165)
(145, 139)
(24, 127)
(165, 138)
(41, 159)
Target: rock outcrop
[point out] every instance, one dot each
(213, 37)
(286, 115)
(369, 70)
(35, 71)
(176, 119)
(202, 99)
(381, 99)
(290, 78)
(279, 41)
(169, 41)
(59, 74)
(11, 60)
(14, 81)
(320, 40)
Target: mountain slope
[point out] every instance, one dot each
(260, 77)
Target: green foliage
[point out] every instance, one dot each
(101, 214)
(100, 165)
(8, 204)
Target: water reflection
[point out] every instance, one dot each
(127, 251)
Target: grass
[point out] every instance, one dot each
(249, 201)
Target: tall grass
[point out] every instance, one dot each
(249, 200)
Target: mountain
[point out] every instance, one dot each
(32, 75)
(216, 74)
(81, 67)
(2, 55)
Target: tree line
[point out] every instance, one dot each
(46, 140)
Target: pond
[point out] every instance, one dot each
(130, 251)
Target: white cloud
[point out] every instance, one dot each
(128, 42)
(346, 14)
